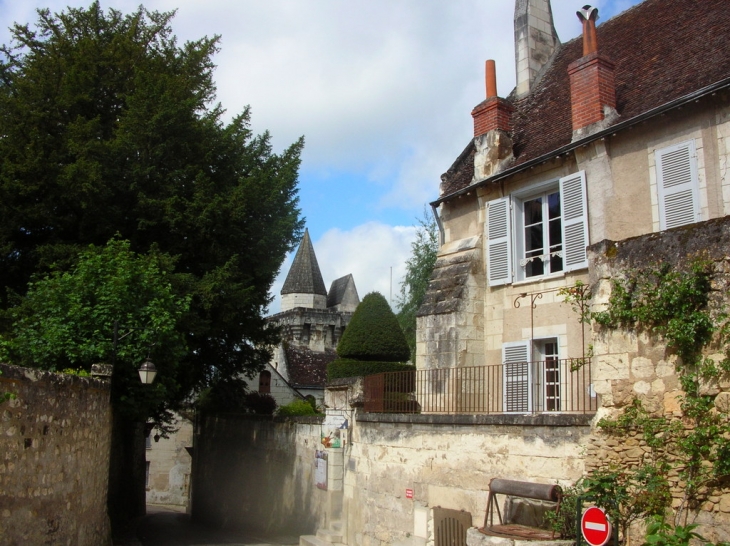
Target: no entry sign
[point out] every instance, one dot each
(595, 526)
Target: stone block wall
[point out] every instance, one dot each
(169, 464)
(55, 440)
(633, 365)
(257, 473)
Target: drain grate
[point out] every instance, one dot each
(450, 526)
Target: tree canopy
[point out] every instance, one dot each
(373, 333)
(418, 272)
(63, 323)
(109, 127)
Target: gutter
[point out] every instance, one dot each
(659, 110)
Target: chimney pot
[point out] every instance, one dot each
(588, 16)
(491, 79)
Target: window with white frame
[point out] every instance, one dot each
(538, 232)
(677, 185)
(531, 376)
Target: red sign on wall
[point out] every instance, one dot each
(595, 526)
(409, 493)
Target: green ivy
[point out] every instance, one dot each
(675, 306)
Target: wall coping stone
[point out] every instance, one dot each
(538, 420)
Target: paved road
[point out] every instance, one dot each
(170, 526)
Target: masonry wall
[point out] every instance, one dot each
(55, 442)
(633, 365)
(256, 473)
(447, 461)
(168, 474)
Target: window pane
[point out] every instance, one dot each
(554, 205)
(534, 268)
(533, 240)
(533, 211)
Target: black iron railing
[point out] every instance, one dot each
(553, 385)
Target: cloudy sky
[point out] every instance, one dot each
(382, 91)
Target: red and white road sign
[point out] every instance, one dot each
(595, 526)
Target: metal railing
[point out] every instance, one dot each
(553, 385)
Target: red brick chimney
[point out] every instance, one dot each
(494, 112)
(592, 84)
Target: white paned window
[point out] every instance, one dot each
(550, 231)
(677, 185)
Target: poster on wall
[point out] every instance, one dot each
(320, 469)
(334, 431)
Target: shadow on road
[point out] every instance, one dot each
(171, 526)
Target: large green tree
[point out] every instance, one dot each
(418, 272)
(108, 126)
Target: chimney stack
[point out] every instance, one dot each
(492, 124)
(592, 83)
(494, 113)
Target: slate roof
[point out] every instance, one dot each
(663, 50)
(307, 368)
(337, 290)
(304, 276)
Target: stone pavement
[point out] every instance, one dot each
(171, 526)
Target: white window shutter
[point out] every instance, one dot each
(499, 252)
(575, 221)
(677, 185)
(517, 377)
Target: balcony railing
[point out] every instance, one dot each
(517, 387)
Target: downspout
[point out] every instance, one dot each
(438, 223)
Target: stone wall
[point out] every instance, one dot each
(448, 461)
(55, 440)
(633, 365)
(256, 473)
(169, 465)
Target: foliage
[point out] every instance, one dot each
(562, 522)
(418, 272)
(661, 533)
(109, 126)
(80, 372)
(355, 368)
(259, 403)
(67, 319)
(5, 396)
(373, 333)
(296, 408)
(675, 306)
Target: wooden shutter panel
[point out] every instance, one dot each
(677, 185)
(575, 221)
(499, 253)
(517, 377)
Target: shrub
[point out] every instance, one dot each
(296, 408)
(343, 367)
(260, 404)
(374, 333)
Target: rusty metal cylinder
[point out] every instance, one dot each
(529, 490)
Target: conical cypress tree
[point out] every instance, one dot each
(374, 333)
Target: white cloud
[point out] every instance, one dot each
(370, 252)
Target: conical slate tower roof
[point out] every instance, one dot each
(304, 276)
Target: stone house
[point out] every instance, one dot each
(617, 134)
(312, 320)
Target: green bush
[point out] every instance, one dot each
(343, 367)
(374, 333)
(296, 408)
(260, 404)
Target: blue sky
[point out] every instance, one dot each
(381, 90)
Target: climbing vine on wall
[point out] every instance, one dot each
(679, 308)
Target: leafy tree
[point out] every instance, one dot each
(373, 333)
(63, 322)
(108, 126)
(418, 272)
